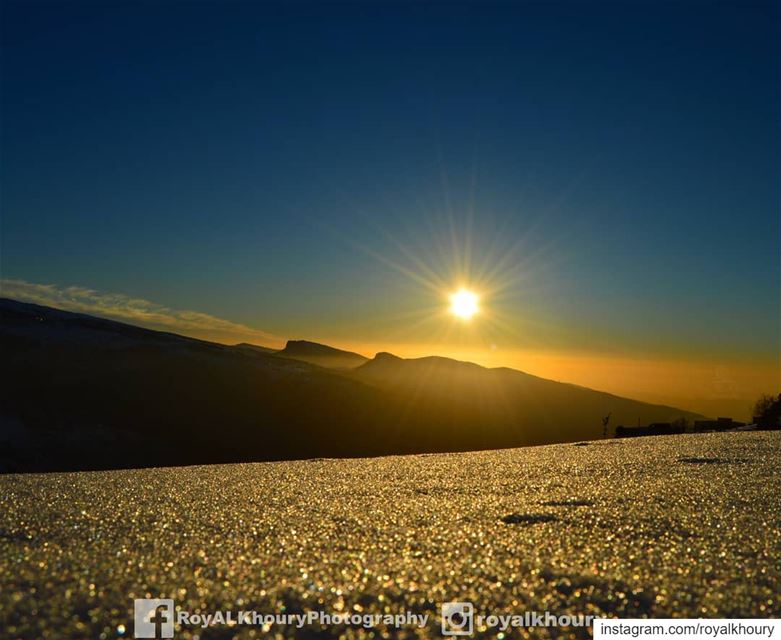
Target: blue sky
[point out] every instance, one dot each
(293, 167)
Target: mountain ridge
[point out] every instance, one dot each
(321, 354)
(89, 393)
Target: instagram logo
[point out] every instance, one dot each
(457, 619)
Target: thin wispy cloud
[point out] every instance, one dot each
(118, 306)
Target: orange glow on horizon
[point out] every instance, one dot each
(710, 386)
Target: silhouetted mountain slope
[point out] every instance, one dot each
(91, 393)
(321, 355)
(86, 393)
(493, 407)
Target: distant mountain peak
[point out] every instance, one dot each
(321, 354)
(310, 347)
(386, 357)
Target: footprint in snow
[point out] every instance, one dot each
(528, 518)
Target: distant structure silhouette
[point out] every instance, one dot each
(653, 429)
(719, 424)
(605, 422)
(767, 412)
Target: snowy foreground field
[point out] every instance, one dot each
(679, 526)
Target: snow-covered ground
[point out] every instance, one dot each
(685, 525)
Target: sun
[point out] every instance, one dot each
(463, 304)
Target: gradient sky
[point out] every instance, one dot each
(605, 174)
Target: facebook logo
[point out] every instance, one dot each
(154, 618)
